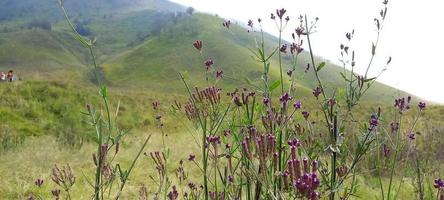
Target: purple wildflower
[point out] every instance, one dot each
(289, 72)
(421, 105)
(191, 157)
(317, 91)
(412, 136)
(283, 48)
(198, 45)
(266, 101)
(219, 74)
(39, 182)
(280, 13)
(226, 23)
(439, 183)
(297, 105)
(208, 63)
(306, 114)
(250, 23)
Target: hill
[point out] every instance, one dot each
(142, 46)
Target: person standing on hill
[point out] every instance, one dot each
(10, 76)
(2, 76)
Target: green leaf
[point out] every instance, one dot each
(320, 66)
(274, 85)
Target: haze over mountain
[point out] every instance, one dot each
(141, 45)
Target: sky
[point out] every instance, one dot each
(413, 35)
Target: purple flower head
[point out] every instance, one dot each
(219, 74)
(56, 193)
(215, 140)
(421, 105)
(226, 23)
(287, 18)
(280, 13)
(374, 121)
(412, 136)
(266, 101)
(208, 63)
(402, 104)
(198, 45)
(250, 23)
(297, 105)
(289, 72)
(230, 179)
(155, 105)
(296, 48)
(283, 48)
(39, 182)
(332, 101)
(259, 20)
(306, 114)
(191, 157)
(394, 126)
(317, 91)
(299, 31)
(439, 183)
(272, 16)
(227, 132)
(294, 143)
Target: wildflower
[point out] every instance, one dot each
(306, 114)
(317, 91)
(230, 179)
(198, 45)
(259, 20)
(289, 72)
(219, 74)
(280, 13)
(283, 48)
(332, 101)
(297, 105)
(155, 105)
(287, 18)
(307, 68)
(412, 136)
(374, 121)
(272, 16)
(439, 183)
(342, 170)
(226, 23)
(56, 193)
(250, 23)
(39, 182)
(208, 63)
(266, 101)
(299, 31)
(402, 104)
(63, 177)
(284, 99)
(421, 105)
(394, 126)
(296, 48)
(173, 195)
(191, 157)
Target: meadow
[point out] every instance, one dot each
(202, 108)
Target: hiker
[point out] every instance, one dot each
(10, 76)
(2, 76)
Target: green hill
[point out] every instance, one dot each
(142, 46)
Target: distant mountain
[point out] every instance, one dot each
(142, 44)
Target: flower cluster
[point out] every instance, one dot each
(300, 174)
(403, 104)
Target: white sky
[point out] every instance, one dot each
(413, 34)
